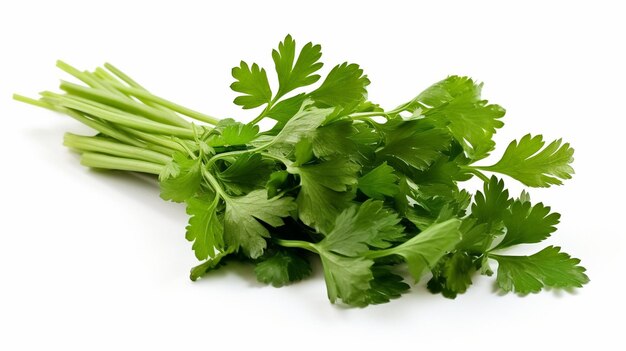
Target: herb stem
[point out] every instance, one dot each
(297, 244)
(101, 145)
(119, 117)
(283, 160)
(143, 94)
(214, 183)
(265, 111)
(476, 172)
(119, 75)
(127, 105)
(96, 160)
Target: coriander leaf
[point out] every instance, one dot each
(210, 265)
(304, 122)
(438, 207)
(426, 248)
(247, 172)
(347, 278)
(285, 109)
(303, 151)
(379, 182)
(181, 179)
(205, 228)
(359, 227)
(412, 143)
(491, 205)
(344, 86)
(336, 174)
(455, 103)
(324, 191)
(473, 233)
(385, 286)
(445, 170)
(282, 268)
(276, 183)
(318, 205)
(252, 83)
(525, 161)
(300, 74)
(241, 228)
(527, 224)
(235, 134)
(405, 193)
(333, 139)
(452, 275)
(547, 268)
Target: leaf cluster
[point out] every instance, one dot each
(375, 195)
(369, 195)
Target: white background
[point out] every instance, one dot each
(96, 261)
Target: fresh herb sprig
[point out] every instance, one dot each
(367, 190)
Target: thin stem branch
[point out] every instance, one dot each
(297, 244)
(476, 172)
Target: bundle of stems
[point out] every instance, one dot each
(137, 130)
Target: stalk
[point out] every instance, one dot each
(139, 93)
(297, 244)
(120, 117)
(101, 145)
(96, 160)
(128, 105)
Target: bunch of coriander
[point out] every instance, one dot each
(370, 192)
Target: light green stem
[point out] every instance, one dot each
(127, 105)
(96, 160)
(101, 145)
(120, 117)
(108, 78)
(140, 93)
(297, 244)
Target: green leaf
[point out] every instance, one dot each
(412, 143)
(303, 123)
(252, 83)
(276, 183)
(285, 109)
(235, 134)
(210, 265)
(491, 205)
(205, 228)
(473, 234)
(347, 278)
(453, 275)
(426, 248)
(528, 163)
(247, 172)
(303, 151)
(324, 191)
(344, 86)
(455, 103)
(282, 268)
(358, 228)
(241, 228)
(385, 285)
(379, 182)
(333, 139)
(547, 268)
(181, 178)
(527, 224)
(300, 74)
